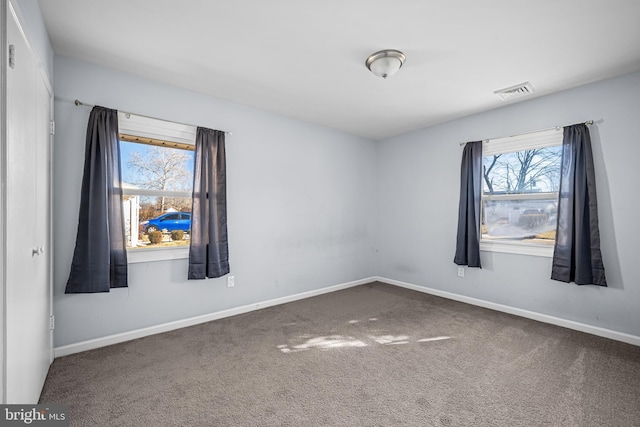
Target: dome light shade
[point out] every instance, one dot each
(385, 63)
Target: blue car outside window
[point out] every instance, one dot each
(169, 222)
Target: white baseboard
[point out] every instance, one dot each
(570, 324)
(166, 327)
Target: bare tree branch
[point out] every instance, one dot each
(160, 168)
(524, 171)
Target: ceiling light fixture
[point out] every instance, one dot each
(385, 63)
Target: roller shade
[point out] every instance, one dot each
(530, 141)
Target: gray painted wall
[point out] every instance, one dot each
(300, 203)
(306, 205)
(418, 202)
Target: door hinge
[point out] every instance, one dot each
(52, 322)
(53, 127)
(12, 56)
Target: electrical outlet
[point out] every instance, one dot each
(460, 272)
(231, 282)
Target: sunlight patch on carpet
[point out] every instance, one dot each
(391, 339)
(323, 343)
(434, 339)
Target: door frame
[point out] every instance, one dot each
(9, 9)
(3, 200)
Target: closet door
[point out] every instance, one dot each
(27, 239)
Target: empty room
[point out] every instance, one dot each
(289, 213)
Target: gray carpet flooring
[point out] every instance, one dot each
(372, 355)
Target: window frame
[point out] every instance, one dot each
(150, 131)
(528, 141)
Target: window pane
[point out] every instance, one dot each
(527, 171)
(170, 216)
(532, 221)
(156, 221)
(156, 168)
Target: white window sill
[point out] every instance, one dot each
(160, 254)
(517, 248)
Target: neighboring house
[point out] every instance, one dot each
(131, 211)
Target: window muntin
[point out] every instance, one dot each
(521, 178)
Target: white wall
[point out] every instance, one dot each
(300, 203)
(419, 176)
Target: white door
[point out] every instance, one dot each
(27, 304)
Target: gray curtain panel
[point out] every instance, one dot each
(100, 256)
(468, 240)
(577, 257)
(208, 251)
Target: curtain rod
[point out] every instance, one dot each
(588, 122)
(84, 104)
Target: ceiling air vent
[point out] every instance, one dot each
(515, 91)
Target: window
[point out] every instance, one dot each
(521, 179)
(156, 159)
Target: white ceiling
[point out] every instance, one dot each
(305, 59)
